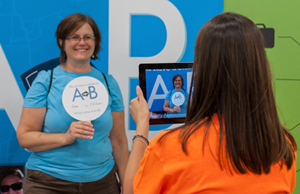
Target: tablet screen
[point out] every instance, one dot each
(166, 89)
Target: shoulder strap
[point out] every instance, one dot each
(186, 94)
(104, 78)
(170, 96)
(106, 83)
(51, 77)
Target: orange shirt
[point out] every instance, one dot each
(165, 168)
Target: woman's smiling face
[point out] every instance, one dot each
(178, 82)
(80, 51)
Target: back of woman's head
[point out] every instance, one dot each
(232, 79)
(230, 65)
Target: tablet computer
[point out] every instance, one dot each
(166, 88)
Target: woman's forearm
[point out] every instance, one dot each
(121, 154)
(168, 109)
(29, 132)
(136, 155)
(140, 113)
(40, 141)
(119, 143)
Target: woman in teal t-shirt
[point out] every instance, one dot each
(175, 101)
(69, 154)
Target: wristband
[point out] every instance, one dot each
(142, 140)
(141, 136)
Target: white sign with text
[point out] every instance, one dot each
(85, 98)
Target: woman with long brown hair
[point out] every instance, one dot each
(232, 140)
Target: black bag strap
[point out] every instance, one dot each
(51, 77)
(106, 83)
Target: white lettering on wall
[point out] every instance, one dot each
(121, 65)
(11, 99)
(153, 95)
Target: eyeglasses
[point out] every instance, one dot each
(76, 39)
(16, 186)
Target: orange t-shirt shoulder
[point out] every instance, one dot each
(165, 168)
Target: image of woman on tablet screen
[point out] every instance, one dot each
(175, 101)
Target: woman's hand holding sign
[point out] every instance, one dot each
(79, 129)
(176, 108)
(81, 101)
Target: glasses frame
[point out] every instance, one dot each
(73, 38)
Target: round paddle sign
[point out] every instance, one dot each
(85, 98)
(178, 99)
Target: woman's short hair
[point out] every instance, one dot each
(69, 25)
(175, 77)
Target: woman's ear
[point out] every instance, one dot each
(60, 41)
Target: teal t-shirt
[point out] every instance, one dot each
(85, 160)
(170, 97)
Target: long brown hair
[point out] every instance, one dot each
(232, 78)
(69, 25)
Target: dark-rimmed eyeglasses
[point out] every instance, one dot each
(16, 187)
(76, 39)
